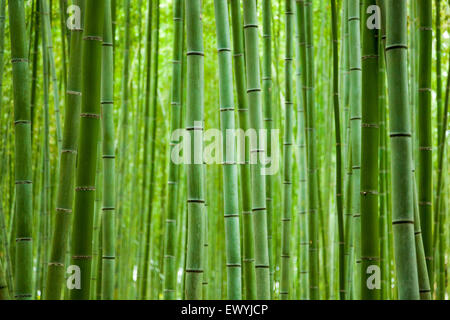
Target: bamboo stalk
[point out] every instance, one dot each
(23, 171)
(337, 128)
(194, 126)
(424, 178)
(400, 135)
(81, 250)
(268, 122)
(231, 200)
(173, 181)
(370, 248)
(258, 180)
(288, 144)
(313, 228)
(248, 240)
(68, 158)
(109, 200)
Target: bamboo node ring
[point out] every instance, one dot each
(233, 265)
(18, 60)
(74, 93)
(90, 115)
(17, 122)
(400, 134)
(396, 46)
(402, 222)
(81, 257)
(231, 216)
(69, 151)
(23, 182)
(56, 264)
(195, 201)
(194, 270)
(85, 188)
(93, 38)
(195, 53)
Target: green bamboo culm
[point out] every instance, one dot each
(108, 155)
(337, 129)
(145, 166)
(424, 282)
(439, 203)
(2, 46)
(81, 249)
(48, 47)
(370, 246)
(35, 54)
(438, 51)
(45, 180)
(230, 184)
(68, 157)
(171, 220)
(5, 278)
(194, 126)
(301, 137)
(383, 180)
(424, 134)
(440, 282)
(355, 139)
(288, 145)
(313, 210)
(248, 252)
(64, 40)
(258, 180)
(154, 124)
(268, 121)
(123, 142)
(4, 294)
(23, 170)
(442, 120)
(401, 151)
(8, 289)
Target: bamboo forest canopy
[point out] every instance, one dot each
(224, 149)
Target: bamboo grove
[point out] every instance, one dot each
(224, 149)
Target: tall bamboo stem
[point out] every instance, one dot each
(108, 155)
(400, 134)
(258, 180)
(231, 200)
(370, 248)
(424, 178)
(81, 250)
(194, 126)
(288, 144)
(173, 182)
(23, 171)
(68, 157)
(248, 254)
